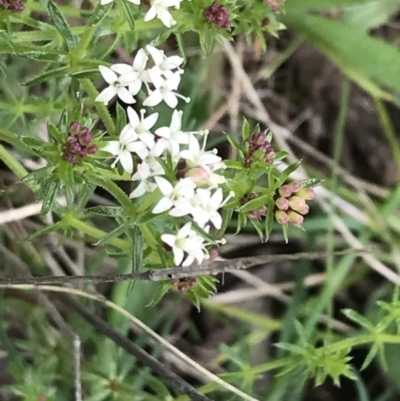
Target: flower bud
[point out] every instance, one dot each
(218, 14)
(297, 203)
(70, 158)
(294, 186)
(85, 136)
(306, 193)
(295, 218)
(92, 149)
(285, 191)
(75, 128)
(282, 203)
(257, 214)
(281, 217)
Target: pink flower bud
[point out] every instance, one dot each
(199, 174)
(281, 217)
(282, 204)
(295, 218)
(85, 136)
(294, 186)
(306, 193)
(92, 149)
(297, 203)
(213, 252)
(75, 128)
(285, 191)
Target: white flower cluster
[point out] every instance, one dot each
(196, 192)
(125, 81)
(159, 9)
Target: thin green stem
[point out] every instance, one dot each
(12, 163)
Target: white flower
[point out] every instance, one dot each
(196, 156)
(177, 198)
(104, 2)
(150, 157)
(186, 241)
(172, 136)
(146, 178)
(165, 90)
(117, 86)
(142, 126)
(164, 66)
(137, 72)
(128, 142)
(205, 207)
(159, 9)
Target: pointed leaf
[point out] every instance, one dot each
(47, 75)
(114, 233)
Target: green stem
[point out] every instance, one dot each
(12, 163)
(100, 107)
(13, 139)
(110, 187)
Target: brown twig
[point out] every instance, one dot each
(211, 268)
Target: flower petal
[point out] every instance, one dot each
(185, 230)
(178, 255)
(135, 86)
(171, 99)
(106, 95)
(133, 117)
(154, 99)
(165, 186)
(109, 75)
(162, 206)
(156, 54)
(112, 147)
(176, 121)
(125, 96)
(138, 191)
(140, 61)
(126, 161)
(151, 14)
(169, 239)
(149, 121)
(122, 68)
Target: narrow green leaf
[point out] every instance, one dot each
(125, 5)
(48, 193)
(353, 51)
(114, 233)
(55, 133)
(255, 203)
(121, 118)
(358, 318)
(49, 74)
(109, 211)
(46, 230)
(60, 23)
(99, 13)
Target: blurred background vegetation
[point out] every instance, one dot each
(328, 87)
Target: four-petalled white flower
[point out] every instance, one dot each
(117, 86)
(159, 9)
(176, 198)
(128, 143)
(142, 126)
(188, 242)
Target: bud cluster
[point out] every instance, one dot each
(274, 5)
(78, 143)
(258, 142)
(184, 284)
(15, 6)
(290, 203)
(218, 14)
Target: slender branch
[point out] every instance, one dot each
(211, 268)
(167, 374)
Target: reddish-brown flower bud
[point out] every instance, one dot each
(294, 186)
(285, 191)
(75, 128)
(92, 149)
(218, 14)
